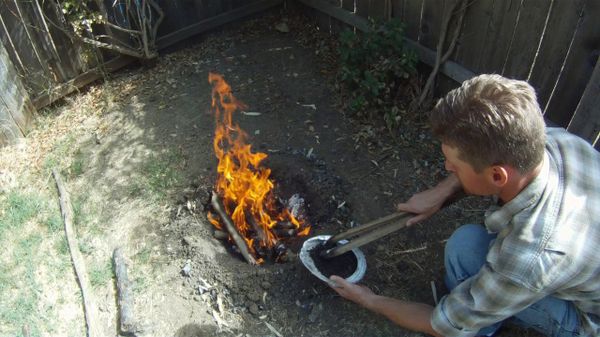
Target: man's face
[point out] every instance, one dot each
(472, 182)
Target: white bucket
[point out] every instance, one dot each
(361, 262)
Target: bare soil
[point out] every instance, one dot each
(348, 171)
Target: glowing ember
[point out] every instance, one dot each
(242, 183)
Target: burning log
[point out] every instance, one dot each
(285, 233)
(285, 225)
(229, 225)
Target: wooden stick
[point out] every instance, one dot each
(89, 306)
(230, 226)
(127, 324)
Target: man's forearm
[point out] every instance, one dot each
(410, 315)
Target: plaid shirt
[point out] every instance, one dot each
(547, 244)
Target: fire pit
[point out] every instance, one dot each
(243, 202)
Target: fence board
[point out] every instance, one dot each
(555, 45)
(378, 9)
(16, 109)
(578, 67)
(586, 121)
(476, 26)
(498, 36)
(412, 15)
(362, 8)
(431, 22)
(398, 9)
(528, 32)
(348, 5)
(33, 70)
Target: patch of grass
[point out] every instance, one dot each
(159, 175)
(54, 222)
(100, 274)
(61, 152)
(18, 209)
(143, 256)
(20, 291)
(77, 165)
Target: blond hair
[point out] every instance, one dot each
(492, 120)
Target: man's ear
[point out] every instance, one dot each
(498, 175)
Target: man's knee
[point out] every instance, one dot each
(465, 239)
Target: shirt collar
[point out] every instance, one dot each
(498, 217)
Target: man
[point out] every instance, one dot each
(536, 261)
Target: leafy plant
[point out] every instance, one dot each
(374, 66)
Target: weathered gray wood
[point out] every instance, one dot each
(362, 8)
(348, 5)
(214, 22)
(555, 45)
(586, 121)
(498, 37)
(431, 22)
(398, 9)
(412, 18)
(473, 35)
(578, 67)
(378, 9)
(127, 323)
(89, 303)
(16, 110)
(526, 38)
(81, 80)
(426, 55)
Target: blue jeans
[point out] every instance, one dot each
(465, 254)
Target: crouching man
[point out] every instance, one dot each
(536, 259)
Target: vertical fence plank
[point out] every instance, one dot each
(578, 66)
(555, 44)
(362, 8)
(348, 5)
(476, 27)
(33, 70)
(398, 9)
(16, 109)
(378, 9)
(431, 22)
(412, 14)
(499, 35)
(528, 32)
(586, 121)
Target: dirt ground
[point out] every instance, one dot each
(147, 165)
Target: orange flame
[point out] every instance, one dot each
(242, 183)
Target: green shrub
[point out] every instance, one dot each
(374, 66)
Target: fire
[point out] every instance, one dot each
(242, 183)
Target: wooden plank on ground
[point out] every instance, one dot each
(555, 45)
(498, 37)
(473, 34)
(426, 55)
(578, 67)
(214, 22)
(528, 33)
(586, 121)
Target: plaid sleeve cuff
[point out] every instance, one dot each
(442, 324)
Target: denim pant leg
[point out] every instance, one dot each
(465, 254)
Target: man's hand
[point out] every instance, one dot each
(356, 293)
(426, 203)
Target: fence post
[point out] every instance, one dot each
(586, 120)
(16, 109)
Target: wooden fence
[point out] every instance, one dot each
(51, 65)
(553, 44)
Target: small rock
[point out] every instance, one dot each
(253, 308)
(265, 285)
(187, 269)
(282, 27)
(315, 312)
